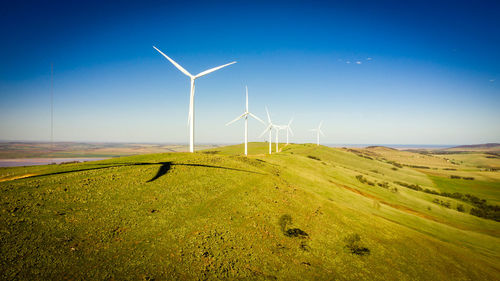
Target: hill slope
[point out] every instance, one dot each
(487, 147)
(306, 213)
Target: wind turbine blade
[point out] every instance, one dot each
(246, 108)
(257, 118)
(212, 70)
(320, 123)
(265, 130)
(268, 117)
(290, 129)
(236, 119)
(290, 123)
(321, 132)
(174, 63)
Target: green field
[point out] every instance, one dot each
(306, 213)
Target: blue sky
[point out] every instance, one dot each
(387, 72)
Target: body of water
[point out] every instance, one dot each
(41, 161)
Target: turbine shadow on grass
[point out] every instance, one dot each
(164, 168)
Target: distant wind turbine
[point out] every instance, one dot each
(289, 129)
(191, 98)
(269, 129)
(318, 131)
(278, 129)
(245, 115)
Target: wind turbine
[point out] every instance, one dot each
(278, 128)
(245, 115)
(269, 128)
(289, 129)
(318, 131)
(191, 98)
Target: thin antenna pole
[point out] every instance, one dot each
(52, 106)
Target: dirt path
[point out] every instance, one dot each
(17, 177)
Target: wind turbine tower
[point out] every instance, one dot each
(245, 115)
(191, 97)
(277, 128)
(269, 128)
(318, 131)
(289, 129)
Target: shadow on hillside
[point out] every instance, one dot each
(164, 168)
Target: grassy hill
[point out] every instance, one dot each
(486, 147)
(309, 212)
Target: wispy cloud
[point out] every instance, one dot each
(492, 80)
(355, 61)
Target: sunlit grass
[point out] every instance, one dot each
(216, 214)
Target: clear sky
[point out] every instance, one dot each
(386, 72)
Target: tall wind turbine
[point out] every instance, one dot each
(289, 129)
(318, 131)
(278, 129)
(269, 129)
(191, 98)
(245, 115)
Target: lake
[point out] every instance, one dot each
(41, 161)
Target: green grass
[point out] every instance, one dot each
(215, 214)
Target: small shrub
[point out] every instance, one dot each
(353, 243)
(418, 167)
(364, 180)
(360, 178)
(446, 204)
(383, 184)
(410, 186)
(460, 208)
(455, 177)
(395, 164)
(211, 152)
(314, 157)
(284, 222)
(394, 168)
(430, 191)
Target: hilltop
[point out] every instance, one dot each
(487, 147)
(309, 212)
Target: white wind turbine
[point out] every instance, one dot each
(289, 129)
(191, 98)
(318, 131)
(269, 128)
(278, 128)
(245, 115)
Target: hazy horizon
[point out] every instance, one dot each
(402, 145)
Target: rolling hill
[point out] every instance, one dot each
(487, 147)
(308, 213)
